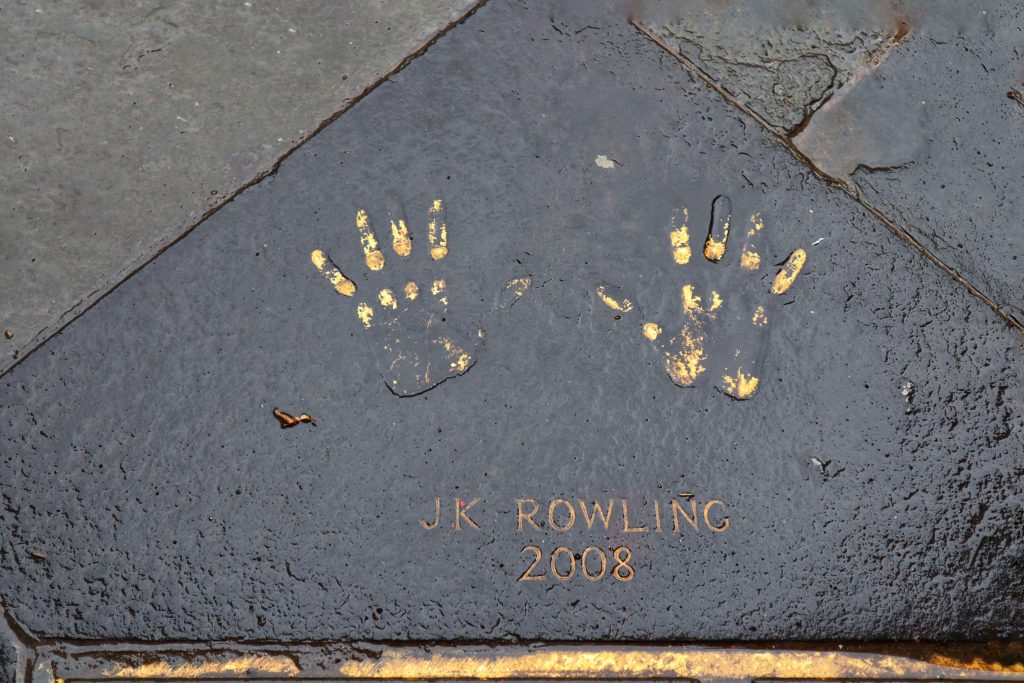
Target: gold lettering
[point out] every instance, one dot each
(528, 517)
(725, 519)
(551, 514)
(604, 563)
(677, 510)
(657, 517)
(437, 516)
(554, 563)
(626, 528)
(623, 571)
(537, 555)
(461, 508)
(591, 515)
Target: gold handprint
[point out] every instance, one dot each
(413, 342)
(720, 326)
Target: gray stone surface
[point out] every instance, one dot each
(905, 103)
(122, 123)
(784, 60)
(14, 650)
(872, 483)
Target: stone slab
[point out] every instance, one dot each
(869, 488)
(916, 107)
(122, 124)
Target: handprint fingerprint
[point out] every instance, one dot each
(721, 326)
(417, 343)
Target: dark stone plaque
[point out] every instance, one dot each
(541, 340)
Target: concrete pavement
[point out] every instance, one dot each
(123, 124)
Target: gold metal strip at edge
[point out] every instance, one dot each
(57, 663)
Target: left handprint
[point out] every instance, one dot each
(415, 345)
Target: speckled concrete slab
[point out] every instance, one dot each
(122, 124)
(916, 107)
(569, 341)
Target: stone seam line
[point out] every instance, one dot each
(901, 233)
(94, 297)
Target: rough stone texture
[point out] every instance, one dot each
(917, 122)
(13, 658)
(8, 662)
(783, 60)
(873, 483)
(123, 123)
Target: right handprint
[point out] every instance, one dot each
(724, 313)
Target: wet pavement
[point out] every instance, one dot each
(914, 107)
(122, 126)
(542, 340)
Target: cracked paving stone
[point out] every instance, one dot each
(577, 474)
(910, 105)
